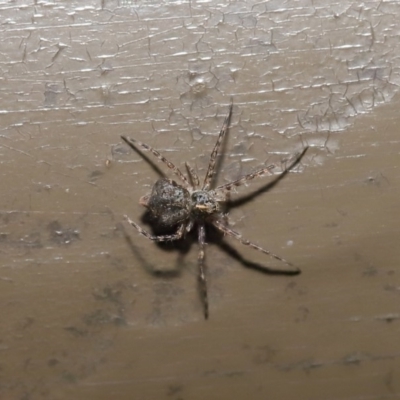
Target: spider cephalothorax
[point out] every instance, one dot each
(204, 204)
(184, 206)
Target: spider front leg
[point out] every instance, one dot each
(228, 231)
(133, 143)
(213, 159)
(243, 179)
(158, 238)
(202, 276)
(193, 178)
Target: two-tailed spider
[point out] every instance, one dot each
(185, 205)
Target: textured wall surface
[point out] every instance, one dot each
(91, 309)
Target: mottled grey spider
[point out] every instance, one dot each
(182, 206)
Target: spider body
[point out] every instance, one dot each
(181, 207)
(168, 203)
(204, 204)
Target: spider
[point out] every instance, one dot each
(186, 205)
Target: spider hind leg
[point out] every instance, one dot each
(158, 238)
(202, 276)
(228, 231)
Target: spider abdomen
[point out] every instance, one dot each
(169, 203)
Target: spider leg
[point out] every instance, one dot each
(133, 143)
(228, 231)
(202, 276)
(213, 158)
(193, 178)
(158, 238)
(267, 170)
(248, 177)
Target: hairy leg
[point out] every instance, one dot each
(132, 142)
(211, 166)
(202, 276)
(193, 178)
(158, 238)
(228, 231)
(246, 178)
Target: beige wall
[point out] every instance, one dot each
(84, 317)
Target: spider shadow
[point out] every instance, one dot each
(230, 204)
(182, 246)
(216, 237)
(213, 235)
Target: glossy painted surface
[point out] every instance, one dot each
(84, 316)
